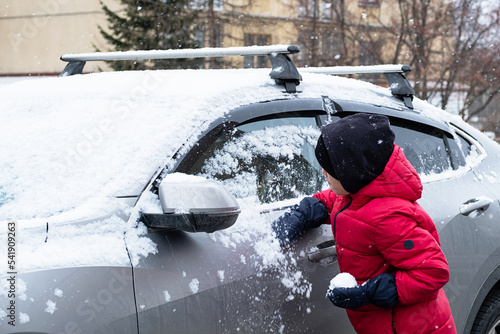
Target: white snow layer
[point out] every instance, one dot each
(51, 307)
(88, 244)
(23, 318)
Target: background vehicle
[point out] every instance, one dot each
(96, 158)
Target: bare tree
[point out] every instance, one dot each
(327, 33)
(452, 46)
(417, 35)
(481, 82)
(211, 29)
(473, 61)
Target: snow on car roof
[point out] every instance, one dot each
(84, 139)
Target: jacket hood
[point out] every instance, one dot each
(399, 179)
(355, 149)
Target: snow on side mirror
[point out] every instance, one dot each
(193, 204)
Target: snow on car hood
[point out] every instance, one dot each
(72, 144)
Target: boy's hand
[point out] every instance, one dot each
(309, 213)
(349, 298)
(380, 291)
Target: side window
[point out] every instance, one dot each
(467, 147)
(433, 151)
(426, 150)
(272, 159)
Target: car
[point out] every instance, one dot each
(142, 201)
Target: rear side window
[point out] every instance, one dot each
(427, 151)
(432, 151)
(271, 159)
(468, 147)
(464, 145)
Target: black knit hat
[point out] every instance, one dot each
(323, 157)
(355, 149)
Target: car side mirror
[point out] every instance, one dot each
(193, 204)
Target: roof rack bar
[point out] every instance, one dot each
(181, 53)
(398, 83)
(372, 69)
(283, 72)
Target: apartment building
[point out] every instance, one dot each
(35, 33)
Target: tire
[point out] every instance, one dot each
(488, 318)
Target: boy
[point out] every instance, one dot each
(383, 237)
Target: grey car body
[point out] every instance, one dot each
(257, 141)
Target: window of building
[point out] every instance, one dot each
(256, 61)
(321, 9)
(331, 44)
(327, 10)
(369, 3)
(307, 8)
(218, 4)
(202, 4)
(368, 51)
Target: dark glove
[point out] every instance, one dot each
(380, 291)
(309, 213)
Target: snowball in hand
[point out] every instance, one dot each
(343, 280)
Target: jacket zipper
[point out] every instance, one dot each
(335, 218)
(393, 322)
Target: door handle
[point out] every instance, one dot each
(325, 253)
(480, 204)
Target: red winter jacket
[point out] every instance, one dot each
(382, 229)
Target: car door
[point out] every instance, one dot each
(274, 158)
(466, 212)
(240, 279)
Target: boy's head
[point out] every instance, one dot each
(355, 149)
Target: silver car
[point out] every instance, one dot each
(142, 202)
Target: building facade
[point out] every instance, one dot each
(34, 34)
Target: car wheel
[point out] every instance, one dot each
(488, 317)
